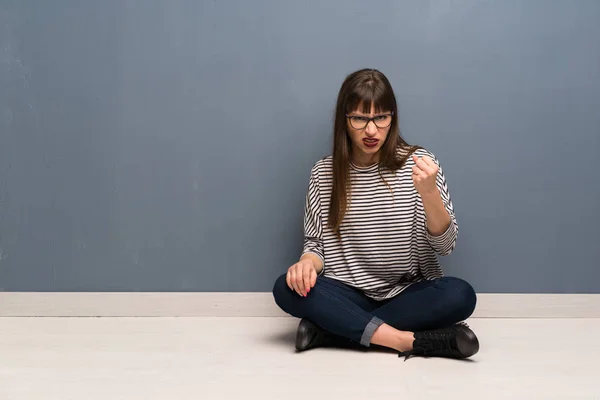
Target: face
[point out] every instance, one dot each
(368, 136)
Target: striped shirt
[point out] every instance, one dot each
(385, 245)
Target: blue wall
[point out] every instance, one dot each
(166, 145)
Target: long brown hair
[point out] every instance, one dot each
(361, 89)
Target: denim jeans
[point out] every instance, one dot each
(345, 311)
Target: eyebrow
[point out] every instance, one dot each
(359, 114)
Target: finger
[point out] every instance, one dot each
(293, 281)
(429, 162)
(434, 168)
(306, 280)
(287, 280)
(300, 283)
(418, 171)
(313, 278)
(417, 161)
(424, 166)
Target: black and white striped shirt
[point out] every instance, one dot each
(385, 243)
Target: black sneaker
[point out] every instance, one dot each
(456, 341)
(310, 336)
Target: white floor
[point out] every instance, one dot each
(254, 358)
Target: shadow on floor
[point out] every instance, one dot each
(286, 338)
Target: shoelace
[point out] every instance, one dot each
(433, 342)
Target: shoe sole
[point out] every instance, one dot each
(467, 342)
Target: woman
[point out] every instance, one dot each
(377, 215)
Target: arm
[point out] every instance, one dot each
(315, 259)
(438, 218)
(441, 225)
(313, 227)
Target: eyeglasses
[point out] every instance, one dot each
(380, 121)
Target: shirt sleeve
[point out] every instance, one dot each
(445, 243)
(313, 226)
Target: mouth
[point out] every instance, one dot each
(370, 142)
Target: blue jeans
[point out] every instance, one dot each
(345, 311)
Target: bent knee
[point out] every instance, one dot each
(280, 288)
(280, 283)
(462, 296)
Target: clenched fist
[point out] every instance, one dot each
(424, 175)
(301, 277)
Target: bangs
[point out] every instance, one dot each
(364, 96)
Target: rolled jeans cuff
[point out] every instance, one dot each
(370, 329)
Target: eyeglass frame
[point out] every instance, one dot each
(369, 119)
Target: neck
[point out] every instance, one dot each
(365, 160)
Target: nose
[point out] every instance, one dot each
(371, 128)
